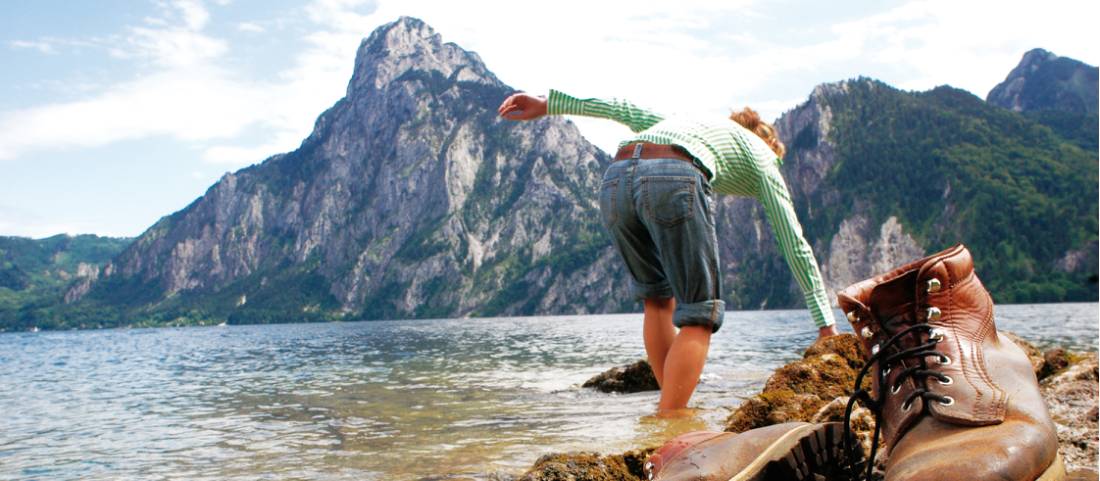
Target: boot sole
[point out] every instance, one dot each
(813, 452)
(1056, 471)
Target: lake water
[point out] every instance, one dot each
(460, 399)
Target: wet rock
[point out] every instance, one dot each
(589, 467)
(1071, 397)
(632, 378)
(1055, 360)
(799, 390)
(846, 346)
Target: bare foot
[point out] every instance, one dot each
(680, 413)
(657, 428)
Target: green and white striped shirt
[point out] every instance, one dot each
(740, 163)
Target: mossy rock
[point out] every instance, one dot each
(773, 407)
(798, 390)
(847, 346)
(589, 467)
(827, 376)
(632, 378)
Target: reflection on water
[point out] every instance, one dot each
(443, 399)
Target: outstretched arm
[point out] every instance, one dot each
(522, 106)
(788, 233)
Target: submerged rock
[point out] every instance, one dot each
(632, 378)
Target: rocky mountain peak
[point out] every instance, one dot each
(1034, 58)
(827, 89)
(409, 44)
(1045, 81)
(411, 198)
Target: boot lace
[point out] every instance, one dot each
(887, 359)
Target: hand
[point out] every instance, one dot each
(522, 107)
(827, 331)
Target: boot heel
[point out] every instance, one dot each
(1056, 471)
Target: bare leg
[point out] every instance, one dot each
(683, 367)
(658, 332)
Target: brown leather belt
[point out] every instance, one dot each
(653, 151)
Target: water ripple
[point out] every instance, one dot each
(414, 400)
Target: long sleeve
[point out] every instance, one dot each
(635, 118)
(788, 232)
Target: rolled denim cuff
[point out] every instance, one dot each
(660, 290)
(705, 313)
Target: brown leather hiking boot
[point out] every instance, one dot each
(953, 399)
(782, 452)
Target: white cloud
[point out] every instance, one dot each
(41, 45)
(193, 104)
(194, 13)
(250, 27)
(192, 93)
(235, 155)
(174, 40)
(186, 95)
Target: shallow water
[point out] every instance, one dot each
(402, 400)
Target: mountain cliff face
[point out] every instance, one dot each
(35, 274)
(1045, 81)
(409, 199)
(855, 246)
(881, 176)
(1058, 92)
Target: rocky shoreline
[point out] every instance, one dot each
(815, 389)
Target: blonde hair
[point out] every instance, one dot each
(749, 119)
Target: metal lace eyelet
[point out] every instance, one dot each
(947, 401)
(934, 285)
(866, 332)
(944, 360)
(906, 406)
(886, 372)
(936, 334)
(895, 389)
(948, 382)
(874, 349)
(934, 313)
(648, 468)
(852, 316)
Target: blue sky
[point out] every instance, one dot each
(114, 113)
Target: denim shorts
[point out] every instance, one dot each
(660, 215)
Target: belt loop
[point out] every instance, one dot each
(637, 151)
